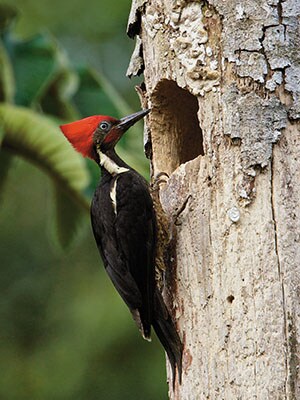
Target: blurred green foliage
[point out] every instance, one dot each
(65, 333)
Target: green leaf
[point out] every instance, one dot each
(5, 163)
(57, 100)
(7, 84)
(39, 139)
(44, 77)
(51, 80)
(37, 56)
(7, 15)
(6, 160)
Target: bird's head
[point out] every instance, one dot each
(98, 131)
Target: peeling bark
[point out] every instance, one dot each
(223, 81)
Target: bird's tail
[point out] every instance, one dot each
(167, 334)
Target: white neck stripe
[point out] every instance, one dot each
(113, 195)
(110, 165)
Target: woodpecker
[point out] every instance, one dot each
(125, 228)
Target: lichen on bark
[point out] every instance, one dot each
(256, 121)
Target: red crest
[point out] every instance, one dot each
(80, 134)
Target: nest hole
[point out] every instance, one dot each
(176, 133)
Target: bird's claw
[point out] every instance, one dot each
(162, 177)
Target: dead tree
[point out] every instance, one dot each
(222, 79)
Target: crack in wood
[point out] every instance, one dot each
(285, 331)
(181, 209)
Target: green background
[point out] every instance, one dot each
(64, 331)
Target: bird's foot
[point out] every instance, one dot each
(161, 177)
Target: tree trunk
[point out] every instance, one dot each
(222, 79)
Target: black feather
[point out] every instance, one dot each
(126, 237)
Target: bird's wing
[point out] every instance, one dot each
(111, 254)
(135, 231)
(127, 243)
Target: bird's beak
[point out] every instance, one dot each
(126, 122)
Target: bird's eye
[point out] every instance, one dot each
(104, 126)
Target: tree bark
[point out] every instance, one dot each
(222, 79)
